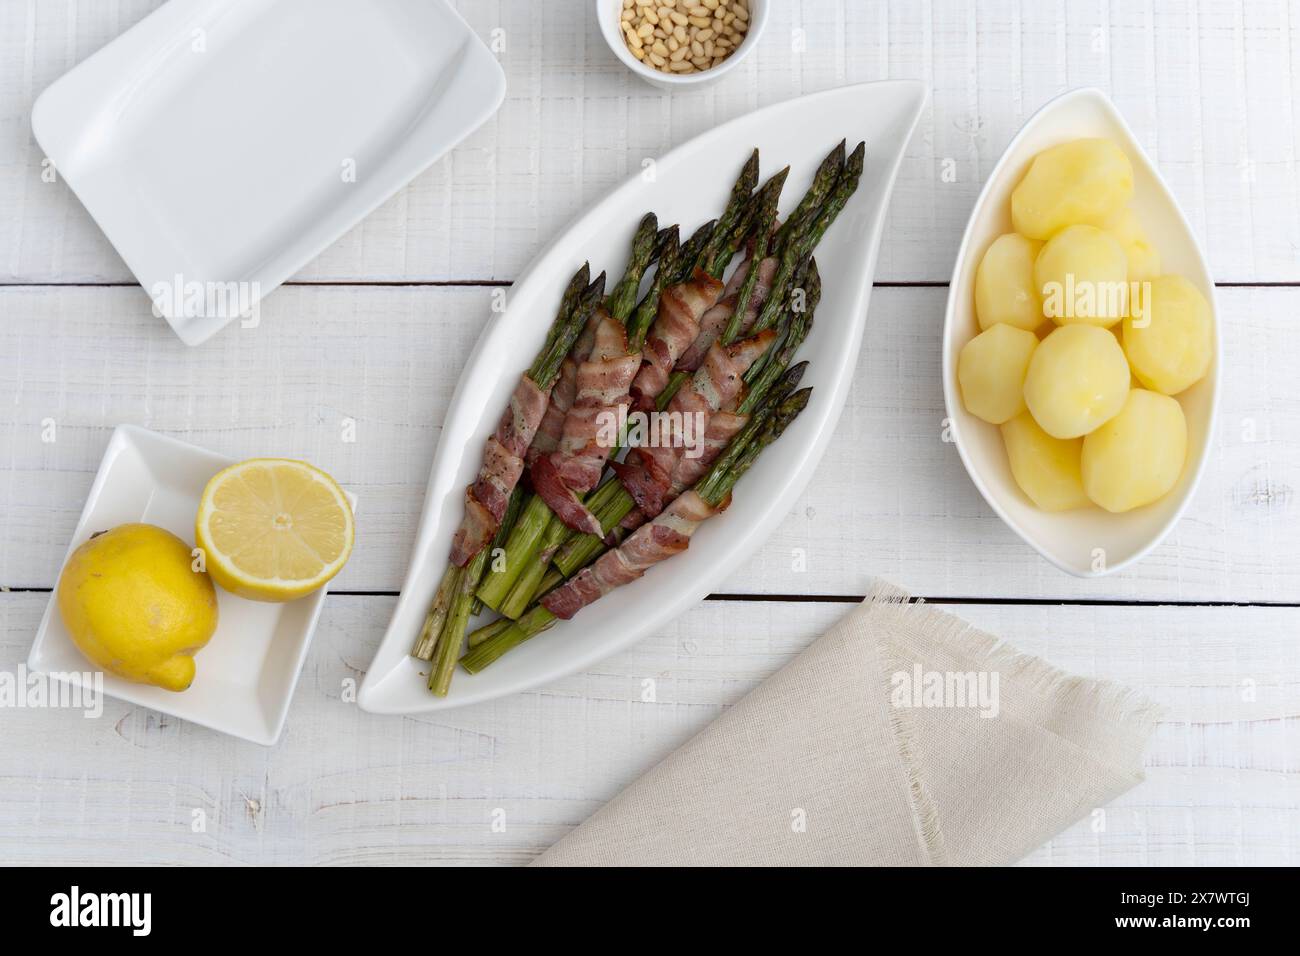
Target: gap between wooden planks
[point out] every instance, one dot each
(890, 498)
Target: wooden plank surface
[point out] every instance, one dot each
(348, 787)
(1209, 87)
(889, 498)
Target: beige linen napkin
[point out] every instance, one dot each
(901, 737)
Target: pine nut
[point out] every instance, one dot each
(683, 36)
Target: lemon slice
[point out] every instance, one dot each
(273, 529)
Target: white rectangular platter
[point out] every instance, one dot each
(221, 146)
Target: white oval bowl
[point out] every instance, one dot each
(689, 185)
(1071, 540)
(608, 13)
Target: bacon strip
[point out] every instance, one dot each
(723, 427)
(678, 323)
(600, 391)
(669, 534)
(647, 473)
(551, 429)
(715, 320)
(560, 498)
(503, 463)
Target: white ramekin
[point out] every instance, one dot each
(608, 13)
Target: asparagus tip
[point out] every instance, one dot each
(793, 375)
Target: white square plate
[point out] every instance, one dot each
(218, 142)
(246, 674)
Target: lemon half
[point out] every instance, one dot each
(274, 529)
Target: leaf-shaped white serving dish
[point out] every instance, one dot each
(687, 186)
(1088, 542)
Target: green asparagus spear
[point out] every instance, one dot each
(563, 331)
(648, 307)
(724, 239)
(437, 615)
(622, 300)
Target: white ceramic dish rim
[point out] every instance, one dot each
(607, 15)
(393, 650)
(121, 435)
(952, 400)
(402, 175)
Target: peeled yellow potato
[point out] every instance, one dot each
(991, 372)
(1143, 258)
(1045, 468)
(1084, 181)
(1077, 379)
(1137, 456)
(1004, 284)
(1170, 339)
(1082, 276)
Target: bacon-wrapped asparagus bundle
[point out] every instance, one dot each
(615, 507)
(604, 380)
(489, 497)
(683, 306)
(714, 322)
(612, 504)
(511, 589)
(647, 472)
(481, 521)
(503, 455)
(668, 534)
(580, 376)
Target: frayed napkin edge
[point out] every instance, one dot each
(1129, 714)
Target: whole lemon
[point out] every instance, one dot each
(134, 606)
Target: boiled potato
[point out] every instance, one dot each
(1169, 340)
(1137, 456)
(1045, 468)
(1082, 276)
(1143, 258)
(1084, 181)
(1077, 379)
(991, 372)
(1004, 284)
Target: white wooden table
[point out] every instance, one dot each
(375, 329)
